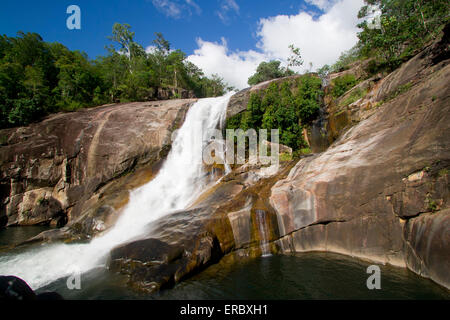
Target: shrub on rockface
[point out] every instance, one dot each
(282, 107)
(268, 71)
(405, 26)
(342, 84)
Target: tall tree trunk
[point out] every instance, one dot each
(175, 78)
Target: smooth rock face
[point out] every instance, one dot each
(49, 170)
(381, 190)
(184, 242)
(427, 249)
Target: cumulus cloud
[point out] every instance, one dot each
(234, 67)
(321, 40)
(226, 7)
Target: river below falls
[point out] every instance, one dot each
(300, 276)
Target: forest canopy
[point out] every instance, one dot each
(38, 78)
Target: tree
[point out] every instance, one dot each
(159, 57)
(324, 71)
(122, 34)
(162, 45)
(38, 78)
(405, 27)
(268, 71)
(278, 107)
(295, 59)
(175, 65)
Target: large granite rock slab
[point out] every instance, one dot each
(382, 189)
(50, 170)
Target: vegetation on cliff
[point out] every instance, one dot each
(272, 70)
(392, 32)
(38, 78)
(268, 71)
(281, 107)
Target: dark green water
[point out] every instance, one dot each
(301, 276)
(15, 235)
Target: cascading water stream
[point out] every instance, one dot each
(179, 182)
(260, 216)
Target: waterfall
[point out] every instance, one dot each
(179, 182)
(260, 216)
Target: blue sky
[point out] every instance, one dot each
(228, 37)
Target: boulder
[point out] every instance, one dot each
(13, 288)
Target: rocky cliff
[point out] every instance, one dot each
(376, 188)
(381, 191)
(74, 166)
(378, 191)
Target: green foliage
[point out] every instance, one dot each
(354, 96)
(277, 107)
(342, 84)
(284, 157)
(268, 71)
(38, 78)
(305, 151)
(307, 98)
(3, 140)
(431, 204)
(345, 59)
(295, 60)
(324, 71)
(405, 26)
(24, 110)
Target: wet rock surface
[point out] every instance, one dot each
(58, 170)
(381, 191)
(220, 222)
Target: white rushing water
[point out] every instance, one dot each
(179, 182)
(260, 216)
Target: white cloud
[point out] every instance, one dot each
(150, 49)
(195, 6)
(234, 67)
(175, 8)
(321, 40)
(225, 7)
(169, 8)
(322, 4)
